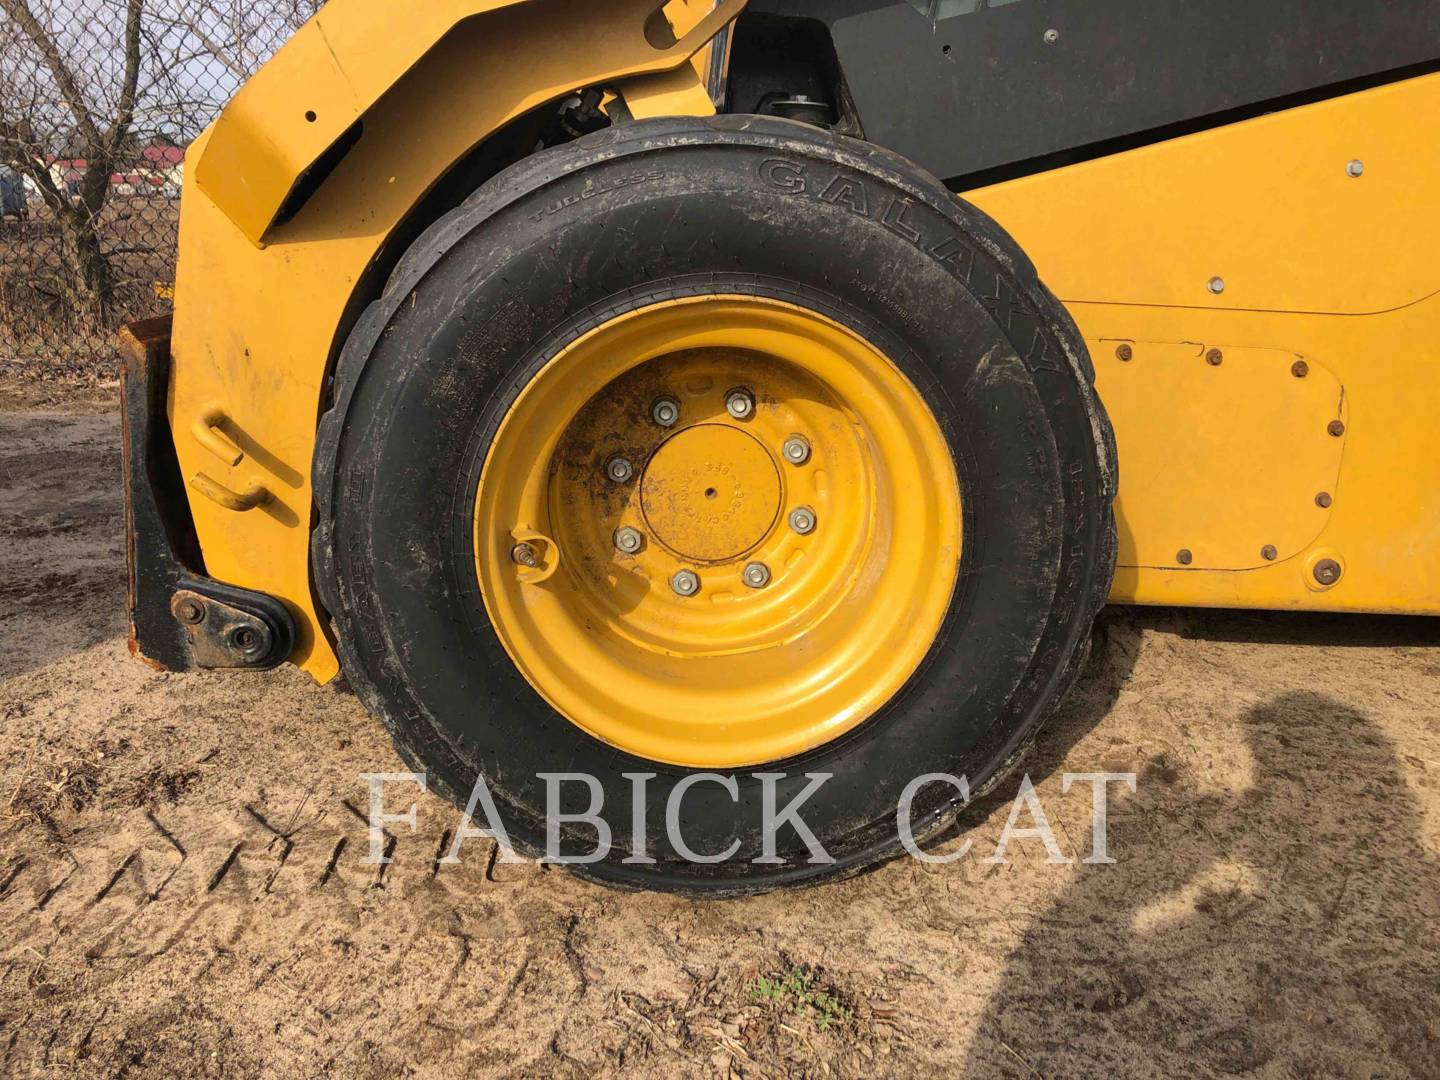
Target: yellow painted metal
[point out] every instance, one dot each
(347, 57)
(1317, 264)
(253, 496)
(1267, 206)
(1225, 451)
(1384, 523)
(713, 491)
(733, 675)
(209, 431)
(670, 93)
(255, 326)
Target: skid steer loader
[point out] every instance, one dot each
(669, 394)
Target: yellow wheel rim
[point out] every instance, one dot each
(650, 576)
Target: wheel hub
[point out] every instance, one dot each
(746, 523)
(710, 493)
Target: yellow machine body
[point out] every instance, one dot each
(1252, 245)
(1306, 237)
(259, 298)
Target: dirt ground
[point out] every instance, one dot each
(181, 891)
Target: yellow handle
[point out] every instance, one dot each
(206, 431)
(215, 491)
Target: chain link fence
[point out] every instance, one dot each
(99, 100)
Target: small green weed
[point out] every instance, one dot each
(797, 990)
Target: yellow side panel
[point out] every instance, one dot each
(1268, 207)
(1384, 524)
(254, 326)
(1227, 453)
(1338, 270)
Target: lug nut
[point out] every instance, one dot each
(1327, 572)
(802, 520)
(757, 575)
(665, 412)
(243, 639)
(796, 450)
(628, 541)
(524, 555)
(685, 582)
(619, 469)
(740, 404)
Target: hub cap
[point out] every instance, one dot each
(711, 493)
(734, 671)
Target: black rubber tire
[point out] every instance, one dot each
(575, 235)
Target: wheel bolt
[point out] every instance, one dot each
(757, 575)
(802, 520)
(740, 404)
(797, 450)
(665, 412)
(243, 639)
(619, 469)
(628, 541)
(685, 582)
(524, 555)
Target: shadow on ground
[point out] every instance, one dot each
(1322, 852)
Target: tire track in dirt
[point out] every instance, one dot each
(183, 891)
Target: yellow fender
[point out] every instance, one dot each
(298, 198)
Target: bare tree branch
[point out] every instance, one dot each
(125, 108)
(191, 25)
(44, 42)
(95, 97)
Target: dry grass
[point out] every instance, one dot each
(40, 336)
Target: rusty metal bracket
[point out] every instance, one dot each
(222, 635)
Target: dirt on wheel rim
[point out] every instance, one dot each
(182, 891)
